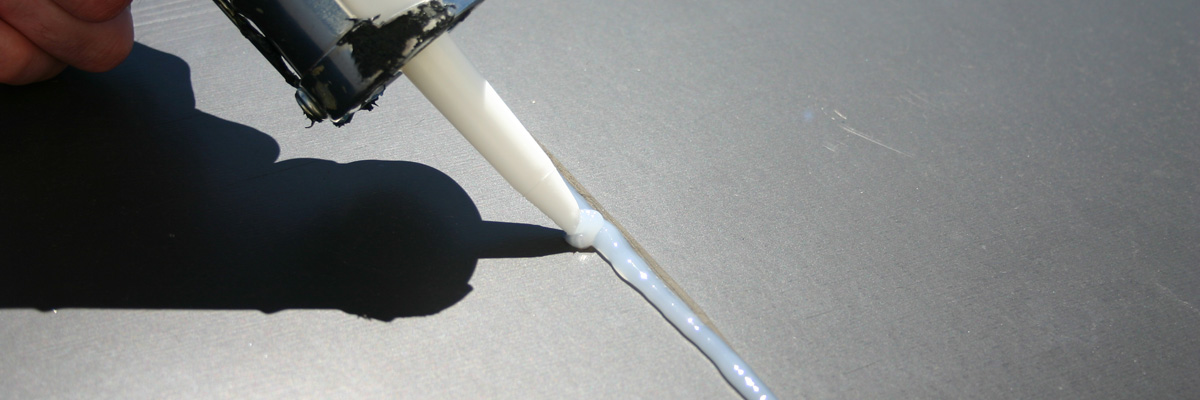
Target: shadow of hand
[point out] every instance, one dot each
(115, 192)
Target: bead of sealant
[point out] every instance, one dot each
(453, 85)
(590, 224)
(609, 242)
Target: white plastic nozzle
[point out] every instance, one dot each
(444, 75)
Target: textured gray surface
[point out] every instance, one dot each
(870, 199)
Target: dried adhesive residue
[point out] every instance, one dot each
(384, 49)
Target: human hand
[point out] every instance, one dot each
(39, 38)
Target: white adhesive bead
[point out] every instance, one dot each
(636, 271)
(470, 103)
(590, 222)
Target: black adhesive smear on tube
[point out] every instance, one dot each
(384, 49)
(377, 48)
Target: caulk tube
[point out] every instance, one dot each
(341, 54)
(444, 75)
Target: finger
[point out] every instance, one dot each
(94, 10)
(90, 46)
(21, 61)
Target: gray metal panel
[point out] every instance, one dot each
(870, 199)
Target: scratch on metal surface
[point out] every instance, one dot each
(1173, 296)
(861, 367)
(855, 132)
(917, 96)
(819, 314)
